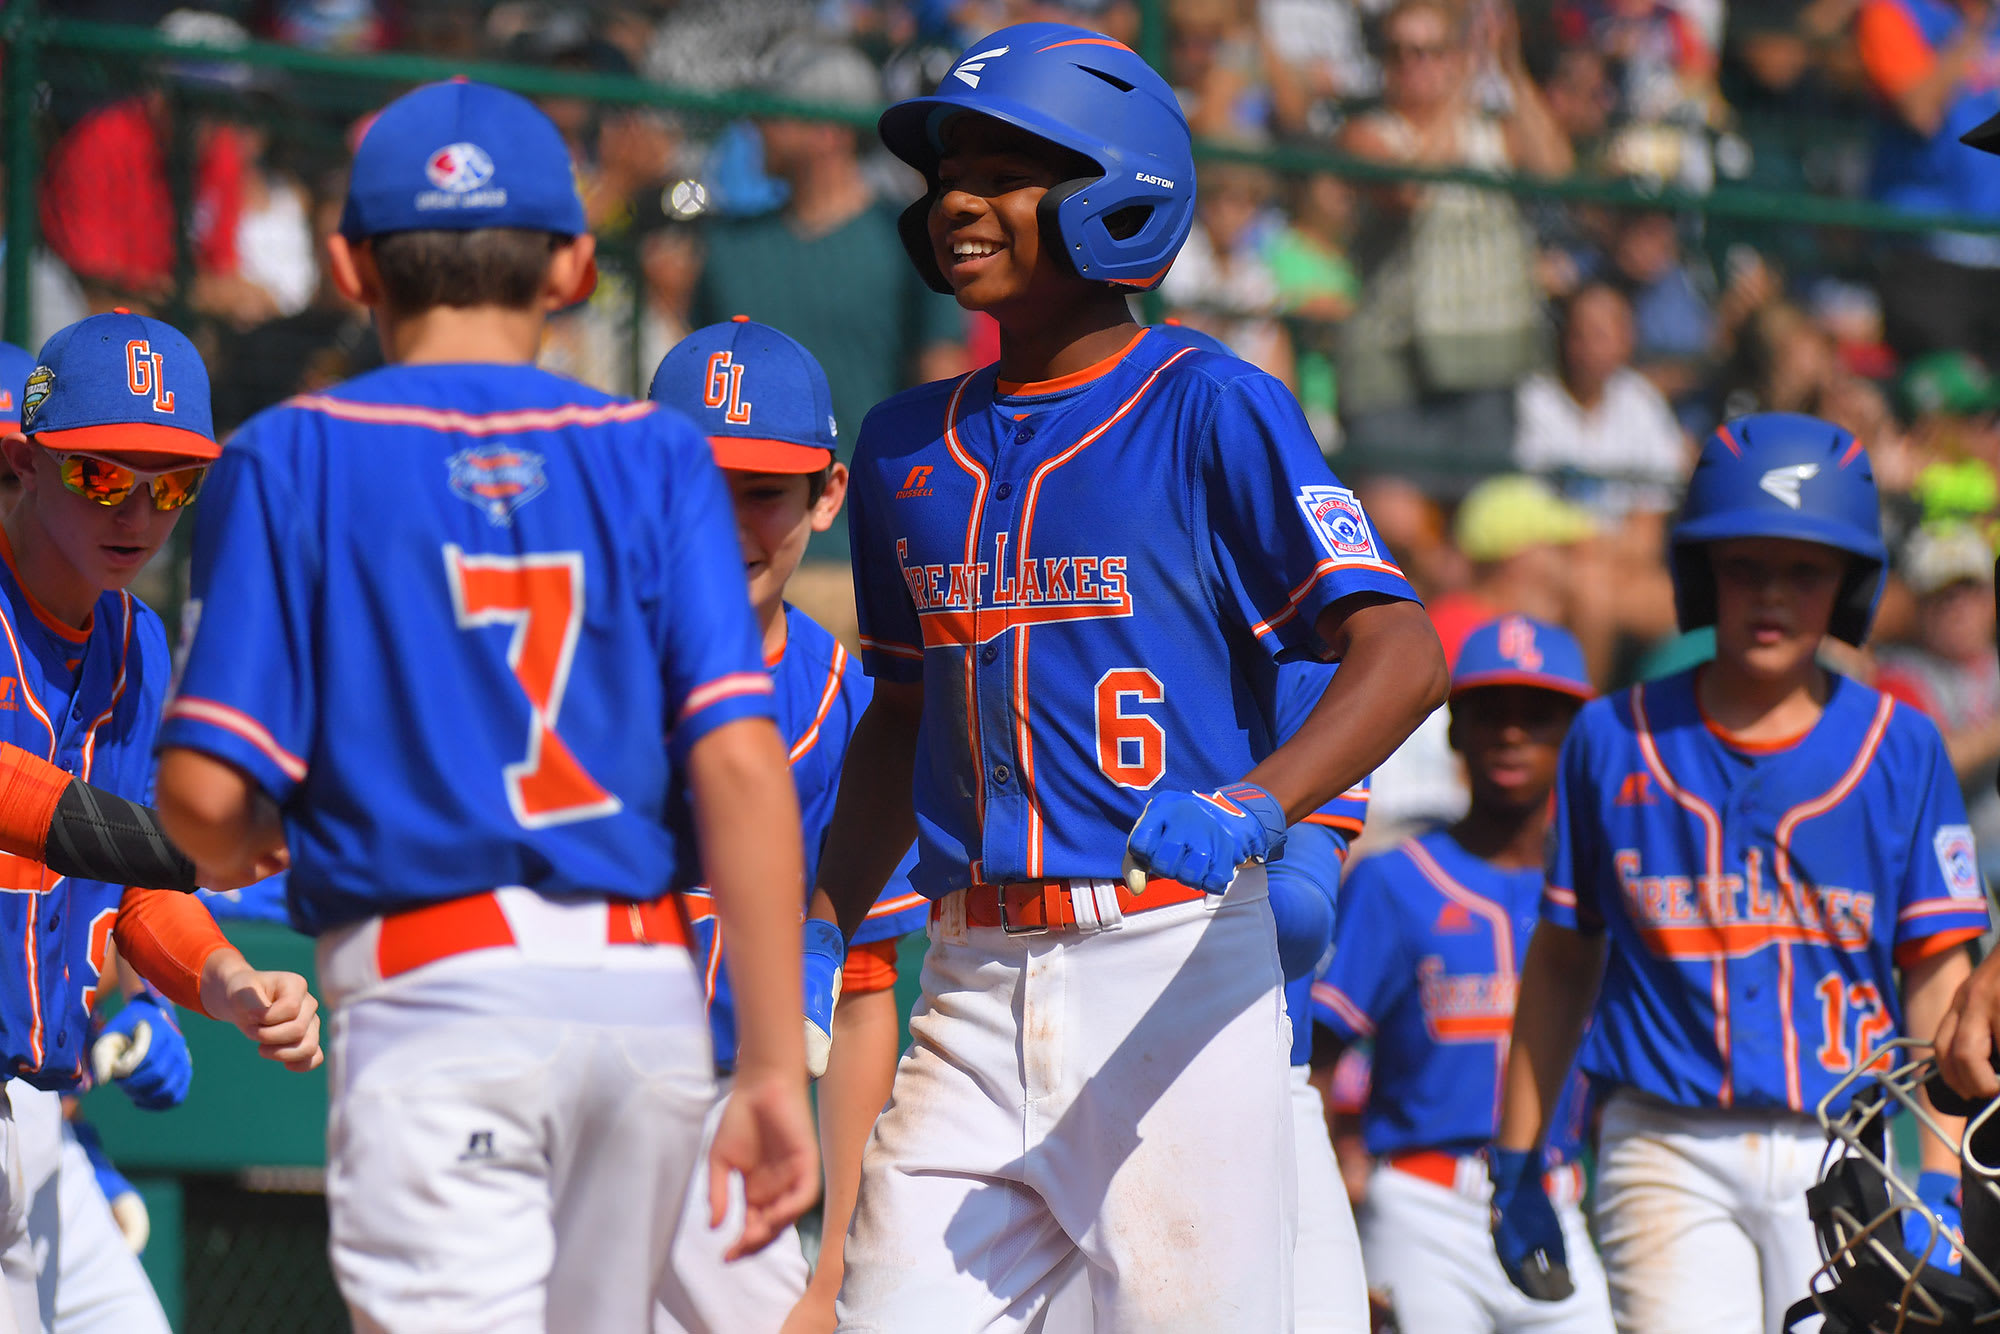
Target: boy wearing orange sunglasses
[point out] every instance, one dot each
(111, 444)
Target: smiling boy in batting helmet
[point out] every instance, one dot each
(1076, 572)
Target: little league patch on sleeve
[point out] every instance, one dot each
(1958, 861)
(1338, 521)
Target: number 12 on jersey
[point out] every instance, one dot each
(541, 597)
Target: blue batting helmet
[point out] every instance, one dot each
(1782, 474)
(1093, 96)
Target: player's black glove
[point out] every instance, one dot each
(1527, 1235)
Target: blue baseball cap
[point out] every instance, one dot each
(15, 363)
(757, 394)
(1521, 651)
(458, 156)
(118, 383)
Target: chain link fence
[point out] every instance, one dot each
(195, 176)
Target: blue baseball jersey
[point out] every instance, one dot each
(1093, 582)
(821, 693)
(264, 901)
(1756, 900)
(89, 703)
(1427, 960)
(450, 617)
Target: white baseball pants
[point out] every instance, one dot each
(65, 1265)
(1429, 1249)
(752, 1295)
(1330, 1293)
(1701, 1216)
(508, 1147)
(1115, 1100)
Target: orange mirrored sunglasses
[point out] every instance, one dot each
(107, 483)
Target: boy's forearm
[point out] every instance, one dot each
(874, 819)
(1928, 986)
(851, 1096)
(1558, 985)
(1391, 677)
(747, 817)
(216, 815)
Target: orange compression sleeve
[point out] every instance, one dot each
(168, 937)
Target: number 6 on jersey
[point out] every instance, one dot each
(541, 597)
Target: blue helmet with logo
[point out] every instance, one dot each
(1782, 474)
(1093, 96)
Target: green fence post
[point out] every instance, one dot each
(1153, 33)
(24, 75)
(165, 1260)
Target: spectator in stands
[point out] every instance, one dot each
(1783, 362)
(1597, 427)
(1581, 97)
(1221, 69)
(1322, 60)
(1665, 64)
(1673, 325)
(1222, 282)
(1950, 672)
(107, 208)
(330, 340)
(829, 268)
(1317, 289)
(1932, 65)
(1448, 320)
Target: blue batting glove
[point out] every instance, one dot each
(824, 950)
(128, 1210)
(1304, 917)
(1939, 1192)
(1200, 838)
(143, 1052)
(1527, 1236)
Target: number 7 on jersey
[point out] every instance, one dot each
(541, 597)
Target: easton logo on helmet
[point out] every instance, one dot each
(1784, 482)
(967, 71)
(1145, 179)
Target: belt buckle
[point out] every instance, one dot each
(1007, 924)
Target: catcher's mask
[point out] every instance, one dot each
(1871, 1280)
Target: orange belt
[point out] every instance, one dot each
(436, 931)
(1033, 907)
(1441, 1169)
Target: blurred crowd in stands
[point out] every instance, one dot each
(1513, 382)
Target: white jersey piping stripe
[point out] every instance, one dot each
(1503, 940)
(975, 518)
(1320, 571)
(1024, 737)
(467, 423)
(891, 648)
(1333, 998)
(901, 903)
(1941, 908)
(1782, 866)
(810, 737)
(242, 725)
(1712, 861)
(117, 689)
(35, 1048)
(725, 687)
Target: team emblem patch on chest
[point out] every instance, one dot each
(1338, 521)
(499, 479)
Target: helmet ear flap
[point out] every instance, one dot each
(1694, 587)
(1048, 218)
(913, 225)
